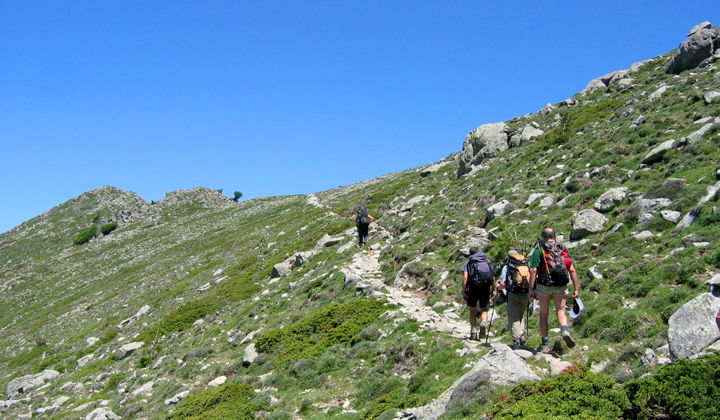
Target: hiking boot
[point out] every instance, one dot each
(568, 339)
(483, 330)
(473, 335)
(544, 348)
(519, 342)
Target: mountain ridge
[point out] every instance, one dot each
(212, 289)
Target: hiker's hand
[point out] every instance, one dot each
(575, 294)
(464, 295)
(531, 296)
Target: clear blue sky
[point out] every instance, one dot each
(286, 97)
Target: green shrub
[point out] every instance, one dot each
(578, 394)
(107, 228)
(684, 390)
(336, 323)
(226, 402)
(182, 318)
(85, 236)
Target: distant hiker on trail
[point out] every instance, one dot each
(362, 221)
(515, 278)
(478, 288)
(552, 267)
(717, 319)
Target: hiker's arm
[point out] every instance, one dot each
(464, 289)
(575, 281)
(533, 276)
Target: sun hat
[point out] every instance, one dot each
(512, 252)
(577, 308)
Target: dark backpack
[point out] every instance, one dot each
(480, 272)
(362, 215)
(553, 267)
(518, 274)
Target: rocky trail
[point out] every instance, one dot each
(366, 273)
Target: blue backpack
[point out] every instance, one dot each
(480, 272)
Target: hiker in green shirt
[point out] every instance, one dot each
(551, 268)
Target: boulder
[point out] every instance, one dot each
(486, 141)
(610, 199)
(102, 413)
(699, 46)
(692, 328)
(698, 135)
(81, 362)
(658, 152)
(711, 97)
(497, 209)
(23, 384)
(530, 133)
(217, 381)
(177, 397)
(587, 222)
(249, 355)
(500, 367)
(671, 215)
(412, 203)
(432, 168)
(126, 350)
(280, 270)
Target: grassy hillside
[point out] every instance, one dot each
(203, 264)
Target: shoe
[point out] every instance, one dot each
(519, 342)
(483, 330)
(544, 348)
(473, 335)
(568, 339)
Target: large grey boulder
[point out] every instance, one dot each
(610, 199)
(497, 209)
(530, 133)
(658, 152)
(699, 46)
(127, 349)
(692, 328)
(279, 270)
(500, 367)
(478, 238)
(486, 141)
(249, 355)
(23, 384)
(102, 413)
(587, 222)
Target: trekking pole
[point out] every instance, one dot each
(527, 320)
(487, 334)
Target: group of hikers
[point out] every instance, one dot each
(544, 276)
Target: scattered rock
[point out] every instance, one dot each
(23, 384)
(217, 381)
(126, 350)
(610, 199)
(658, 152)
(177, 397)
(692, 327)
(587, 222)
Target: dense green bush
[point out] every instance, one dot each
(336, 323)
(109, 227)
(684, 390)
(226, 402)
(577, 394)
(85, 236)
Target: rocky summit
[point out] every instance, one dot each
(198, 306)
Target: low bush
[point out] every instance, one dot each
(336, 323)
(576, 394)
(107, 228)
(226, 402)
(684, 390)
(85, 236)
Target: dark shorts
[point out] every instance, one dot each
(479, 296)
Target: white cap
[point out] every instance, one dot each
(577, 308)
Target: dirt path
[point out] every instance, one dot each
(366, 266)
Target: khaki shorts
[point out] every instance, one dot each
(542, 290)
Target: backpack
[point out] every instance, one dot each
(554, 271)
(518, 274)
(480, 272)
(362, 215)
